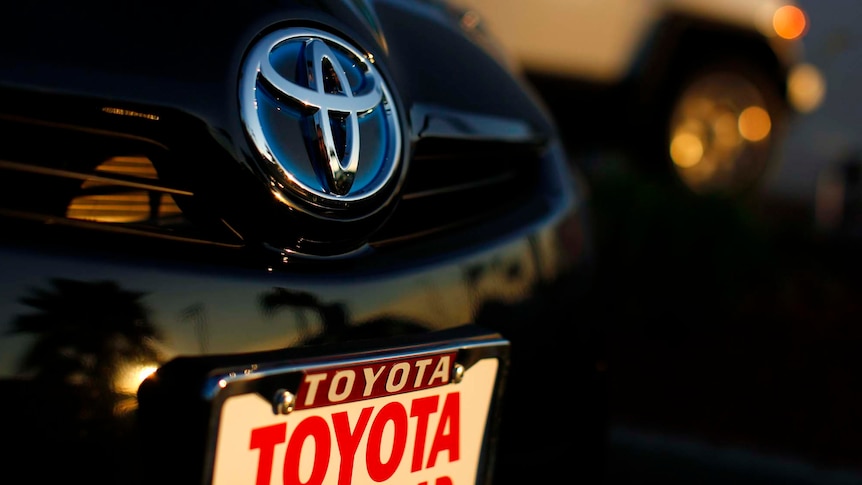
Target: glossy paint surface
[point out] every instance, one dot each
(87, 316)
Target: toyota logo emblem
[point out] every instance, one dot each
(322, 118)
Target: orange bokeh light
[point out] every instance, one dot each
(790, 22)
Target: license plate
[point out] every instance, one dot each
(418, 418)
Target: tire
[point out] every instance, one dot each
(719, 128)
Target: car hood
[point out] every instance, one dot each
(188, 55)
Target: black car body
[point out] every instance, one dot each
(185, 227)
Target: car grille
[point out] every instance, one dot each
(453, 182)
(101, 180)
(94, 179)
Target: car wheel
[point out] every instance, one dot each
(720, 128)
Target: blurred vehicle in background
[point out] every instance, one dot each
(734, 335)
(699, 89)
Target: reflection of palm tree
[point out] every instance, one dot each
(196, 313)
(85, 332)
(333, 316)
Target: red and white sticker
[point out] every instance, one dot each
(402, 422)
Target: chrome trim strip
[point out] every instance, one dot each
(83, 129)
(443, 122)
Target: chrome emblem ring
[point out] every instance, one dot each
(321, 117)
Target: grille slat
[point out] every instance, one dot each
(466, 187)
(118, 180)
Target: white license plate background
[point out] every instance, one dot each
(237, 463)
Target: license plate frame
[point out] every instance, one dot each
(266, 419)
